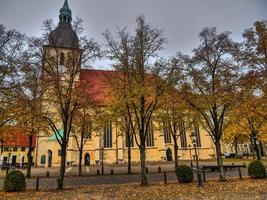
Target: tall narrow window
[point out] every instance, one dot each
(150, 136)
(88, 130)
(108, 135)
(129, 139)
(167, 132)
(62, 59)
(196, 128)
(183, 135)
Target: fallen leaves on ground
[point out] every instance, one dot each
(233, 189)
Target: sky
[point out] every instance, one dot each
(181, 20)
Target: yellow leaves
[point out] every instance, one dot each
(233, 189)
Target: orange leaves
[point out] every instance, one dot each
(233, 189)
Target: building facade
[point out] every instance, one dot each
(109, 146)
(15, 146)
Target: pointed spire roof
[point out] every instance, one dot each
(66, 5)
(65, 13)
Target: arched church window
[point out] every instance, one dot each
(108, 135)
(129, 140)
(62, 59)
(197, 132)
(167, 132)
(183, 135)
(43, 159)
(150, 136)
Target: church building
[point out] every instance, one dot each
(111, 147)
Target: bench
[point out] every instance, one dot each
(226, 167)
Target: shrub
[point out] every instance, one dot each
(256, 170)
(14, 181)
(184, 174)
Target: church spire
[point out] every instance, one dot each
(65, 13)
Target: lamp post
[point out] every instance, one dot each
(199, 178)
(190, 153)
(102, 160)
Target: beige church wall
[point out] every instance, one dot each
(44, 145)
(118, 152)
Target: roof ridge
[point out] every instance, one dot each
(93, 69)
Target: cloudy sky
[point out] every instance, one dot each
(181, 20)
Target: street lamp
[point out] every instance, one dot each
(102, 160)
(194, 142)
(190, 153)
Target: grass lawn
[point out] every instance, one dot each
(233, 189)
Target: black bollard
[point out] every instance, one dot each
(111, 171)
(47, 174)
(37, 183)
(159, 169)
(147, 170)
(98, 172)
(165, 177)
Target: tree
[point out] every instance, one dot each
(211, 83)
(60, 80)
(117, 108)
(234, 136)
(29, 99)
(82, 132)
(174, 115)
(253, 54)
(11, 47)
(144, 81)
(84, 119)
(246, 123)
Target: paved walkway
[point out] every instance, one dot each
(120, 175)
(117, 169)
(74, 181)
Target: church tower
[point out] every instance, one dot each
(64, 35)
(61, 70)
(63, 50)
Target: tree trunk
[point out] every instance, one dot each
(256, 147)
(60, 179)
(252, 149)
(29, 155)
(143, 165)
(129, 153)
(176, 158)
(80, 161)
(219, 160)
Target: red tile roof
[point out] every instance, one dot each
(15, 137)
(99, 83)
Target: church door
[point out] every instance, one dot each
(87, 159)
(169, 154)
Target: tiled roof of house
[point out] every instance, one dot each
(15, 137)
